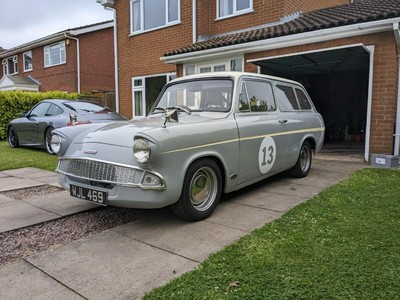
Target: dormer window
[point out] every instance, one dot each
(228, 8)
(149, 15)
(10, 65)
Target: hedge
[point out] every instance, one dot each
(12, 103)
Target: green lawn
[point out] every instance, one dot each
(342, 244)
(14, 158)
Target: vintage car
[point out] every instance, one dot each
(205, 135)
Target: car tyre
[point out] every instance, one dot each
(12, 138)
(201, 191)
(303, 164)
(47, 138)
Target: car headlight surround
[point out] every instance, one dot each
(142, 150)
(56, 144)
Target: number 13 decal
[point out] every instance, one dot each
(267, 154)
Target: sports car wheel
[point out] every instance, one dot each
(201, 191)
(303, 164)
(12, 138)
(47, 138)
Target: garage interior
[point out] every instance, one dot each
(337, 82)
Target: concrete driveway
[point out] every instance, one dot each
(129, 260)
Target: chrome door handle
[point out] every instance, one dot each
(282, 121)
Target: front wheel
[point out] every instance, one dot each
(12, 138)
(47, 139)
(303, 164)
(201, 191)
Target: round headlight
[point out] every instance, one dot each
(141, 150)
(55, 143)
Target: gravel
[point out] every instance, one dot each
(19, 243)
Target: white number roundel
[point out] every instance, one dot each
(266, 155)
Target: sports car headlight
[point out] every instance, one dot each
(141, 150)
(55, 143)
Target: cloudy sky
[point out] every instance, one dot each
(22, 21)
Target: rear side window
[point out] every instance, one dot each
(256, 96)
(54, 110)
(303, 100)
(286, 98)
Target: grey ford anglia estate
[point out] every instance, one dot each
(205, 135)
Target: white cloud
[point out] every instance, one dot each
(23, 21)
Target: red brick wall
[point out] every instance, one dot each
(384, 88)
(97, 60)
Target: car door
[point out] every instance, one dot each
(29, 130)
(262, 135)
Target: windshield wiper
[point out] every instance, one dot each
(181, 108)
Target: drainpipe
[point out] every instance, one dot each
(78, 64)
(115, 60)
(397, 132)
(194, 20)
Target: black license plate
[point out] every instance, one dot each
(95, 196)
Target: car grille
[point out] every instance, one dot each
(100, 171)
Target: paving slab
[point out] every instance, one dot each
(109, 265)
(29, 173)
(3, 174)
(15, 183)
(18, 214)
(60, 203)
(4, 199)
(193, 240)
(242, 217)
(23, 281)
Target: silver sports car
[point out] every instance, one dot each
(206, 134)
(34, 127)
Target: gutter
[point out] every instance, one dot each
(396, 32)
(286, 41)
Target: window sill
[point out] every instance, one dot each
(247, 11)
(50, 66)
(154, 29)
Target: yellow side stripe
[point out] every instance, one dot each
(247, 139)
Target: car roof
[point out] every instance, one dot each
(234, 75)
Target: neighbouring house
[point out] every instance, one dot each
(345, 52)
(75, 60)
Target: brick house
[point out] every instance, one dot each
(75, 60)
(344, 51)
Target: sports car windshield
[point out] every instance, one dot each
(197, 95)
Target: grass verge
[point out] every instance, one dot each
(15, 158)
(342, 244)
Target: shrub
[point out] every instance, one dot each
(12, 103)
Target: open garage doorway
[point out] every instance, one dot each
(337, 80)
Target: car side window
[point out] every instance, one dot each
(256, 96)
(303, 100)
(54, 110)
(40, 110)
(286, 98)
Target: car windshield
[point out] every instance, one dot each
(87, 107)
(197, 95)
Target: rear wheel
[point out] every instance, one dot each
(47, 138)
(12, 138)
(303, 164)
(201, 191)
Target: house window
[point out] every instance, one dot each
(28, 61)
(10, 65)
(54, 54)
(145, 91)
(231, 65)
(227, 8)
(153, 14)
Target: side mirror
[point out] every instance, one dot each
(73, 119)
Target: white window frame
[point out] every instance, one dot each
(142, 30)
(6, 65)
(63, 58)
(212, 65)
(235, 11)
(142, 89)
(23, 56)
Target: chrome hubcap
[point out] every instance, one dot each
(305, 156)
(203, 189)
